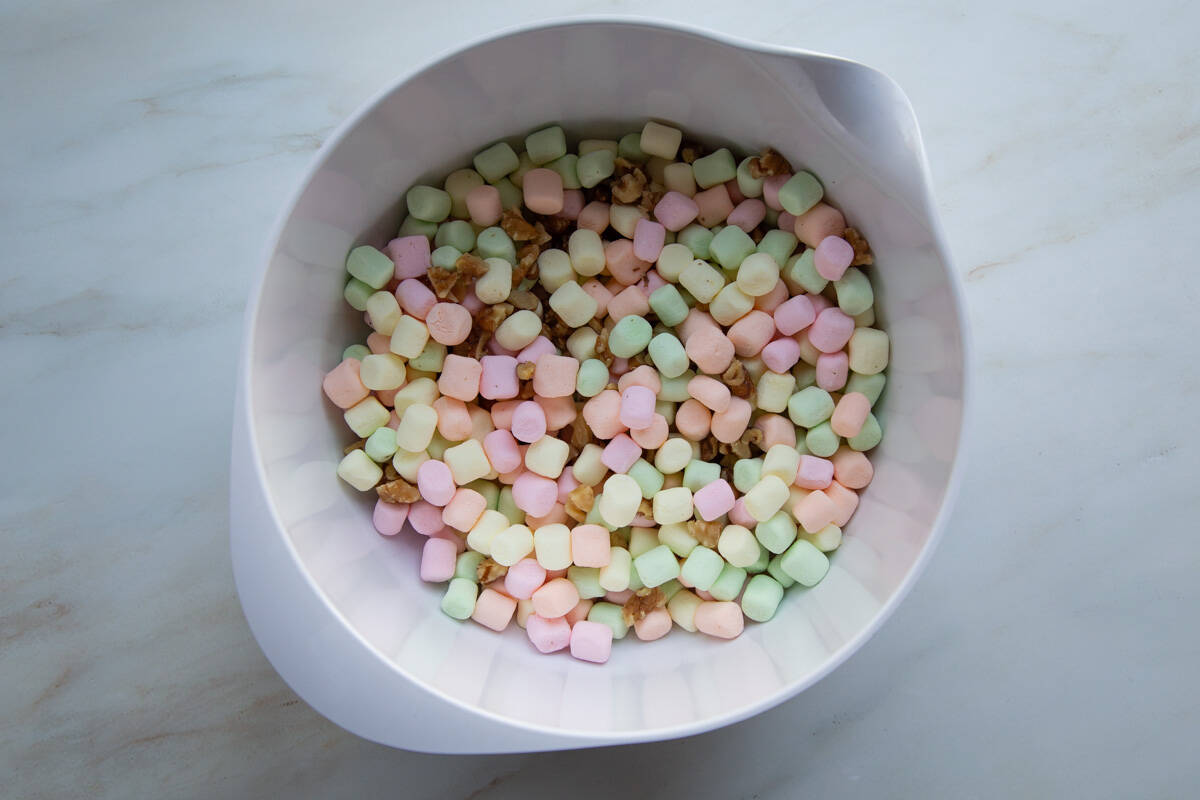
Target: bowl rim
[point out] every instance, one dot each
(584, 737)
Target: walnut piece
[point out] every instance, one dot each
(706, 533)
(489, 571)
(862, 249)
(442, 280)
(577, 514)
(525, 370)
(737, 379)
(582, 497)
(769, 163)
(523, 300)
(642, 602)
(389, 472)
(628, 188)
(397, 491)
(490, 318)
(516, 226)
(348, 449)
(527, 259)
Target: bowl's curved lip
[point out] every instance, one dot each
(952, 487)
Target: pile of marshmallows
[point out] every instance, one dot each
(694, 323)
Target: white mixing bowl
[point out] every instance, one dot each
(339, 610)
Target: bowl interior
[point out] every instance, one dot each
(846, 123)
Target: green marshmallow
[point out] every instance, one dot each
(508, 507)
(805, 374)
(411, 226)
(356, 294)
(510, 196)
(648, 479)
(595, 167)
(854, 292)
(466, 566)
(748, 185)
(731, 246)
(702, 567)
(772, 217)
(760, 563)
(630, 148)
(635, 582)
(496, 161)
(567, 168)
(698, 474)
(869, 385)
(716, 167)
(489, 490)
(776, 571)
(546, 145)
(494, 243)
(822, 441)
(674, 390)
(868, 437)
(801, 192)
(370, 266)
(586, 580)
(591, 378)
(357, 351)
(445, 257)
(668, 355)
(804, 563)
(778, 245)
(457, 234)
(431, 357)
(746, 473)
(777, 533)
(612, 615)
(459, 599)
(696, 238)
(810, 407)
(437, 448)
(761, 598)
(428, 203)
(381, 445)
(668, 304)
(802, 271)
(670, 589)
(657, 566)
(681, 542)
(729, 584)
(629, 336)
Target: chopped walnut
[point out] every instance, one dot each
(690, 152)
(489, 571)
(650, 197)
(602, 347)
(646, 509)
(348, 449)
(737, 379)
(526, 392)
(642, 602)
(709, 448)
(706, 533)
(628, 188)
(527, 260)
(769, 163)
(550, 227)
(516, 226)
(583, 497)
(575, 513)
(581, 434)
(471, 266)
(525, 370)
(397, 491)
(490, 318)
(389, 472)
(523, 300)
(442, 280)
(862, 249)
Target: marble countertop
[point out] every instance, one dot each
(1051, 648)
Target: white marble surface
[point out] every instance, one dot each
(1050, 650)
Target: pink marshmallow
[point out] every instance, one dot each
(623, 264)
(464, 509)
(415, 298)
(713, 500)
(652, 436)
(572, 204)
(425, 518)
(502, 451)
(555, 375)
(536, 349)
(781, 355)
(435, 482)
(461, 377)
(498, 378)
(629, 302)
(621, 453)
(751, 333)
(850, 414)
(786, 222)
(524, 578)
(833, 369)
(534, 494)
(594, 217)
(831, 331)
(543, 191)
(747, 214)
(598, 292)
(560, 411)
(567, 482)
(832, 257)
(453, 419)
(484, 206)
(654, 625)
(343, 386)
(714, 394)
(738, 515)
(601, 413)
(814, 225)
(794, 315)
(735, 192)
(528, 422)
(437, 560)
(388, 518)
(775, 429)
(494, 610)
(590, 546)
(548, 635)
(556, 598)
(410, 254)
(637, 407)
(592, 641)
(676, 211)
(714, 205)
(648, 239)
(774, 298)
(771, 187)
(819, 303)
(814, 473)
